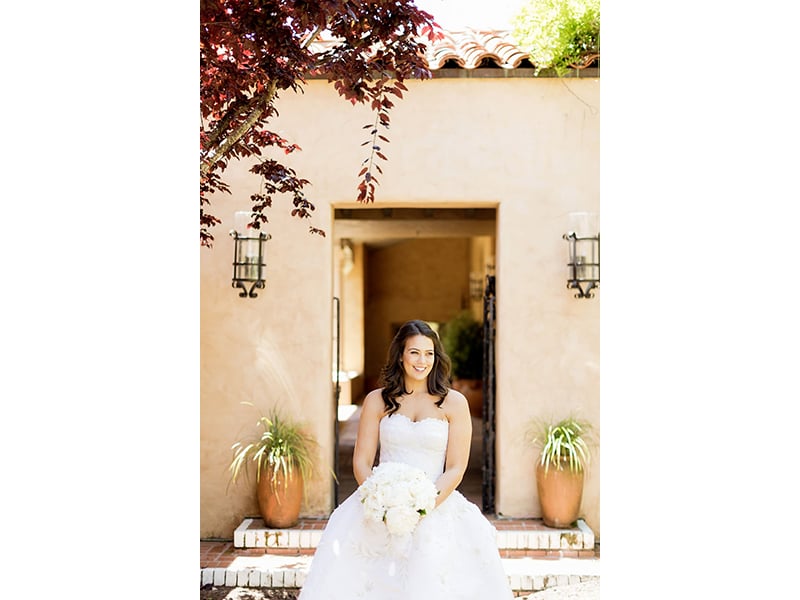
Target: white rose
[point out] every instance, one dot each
(397, 494)
(401, 519)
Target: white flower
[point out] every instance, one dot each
(401, 519)
(398, 495)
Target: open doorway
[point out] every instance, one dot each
(396, 264)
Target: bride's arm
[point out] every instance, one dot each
(366, 446)
(459, 440)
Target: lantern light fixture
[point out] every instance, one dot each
(475, 286)
(583, 238)
(479, 280)
(248, 256)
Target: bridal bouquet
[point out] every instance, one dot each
(398, 495)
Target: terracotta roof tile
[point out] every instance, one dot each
(468, 49)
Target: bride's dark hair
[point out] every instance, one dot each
(392, 374)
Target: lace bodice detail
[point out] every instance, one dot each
(422, 444)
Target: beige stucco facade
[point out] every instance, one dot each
(526, 147)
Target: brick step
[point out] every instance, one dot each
(516, 538)
(535, 557)
(525, 575)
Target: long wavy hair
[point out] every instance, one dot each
(392, 375)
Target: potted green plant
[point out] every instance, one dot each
(462, 339)
(283, 461)
(564, 453)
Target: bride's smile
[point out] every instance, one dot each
(418, 357)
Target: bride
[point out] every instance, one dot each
(416, 419)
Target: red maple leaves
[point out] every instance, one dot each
(250, 50)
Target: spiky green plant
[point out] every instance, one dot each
(563, 445)
(283, 447)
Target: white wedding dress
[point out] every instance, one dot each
(451, 555)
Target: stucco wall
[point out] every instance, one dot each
(529, 147)
(273, 351)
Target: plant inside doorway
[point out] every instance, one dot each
(462, 339)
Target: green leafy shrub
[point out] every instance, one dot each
(462, 338)
(558, 34)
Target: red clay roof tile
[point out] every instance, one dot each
(471, 49)
(468, 49)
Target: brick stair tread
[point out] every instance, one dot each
(280, 571)
(534, 556)
(513, 535)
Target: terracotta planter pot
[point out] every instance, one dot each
(280, 504)
(560, 493)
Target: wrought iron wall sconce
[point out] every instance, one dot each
(248, 257)
(478, 281)
(584, 254)
(475, 286)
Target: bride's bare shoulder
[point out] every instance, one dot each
(373, 402)
(455, 404)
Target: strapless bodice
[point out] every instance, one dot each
(422, 444)
(451, 554)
